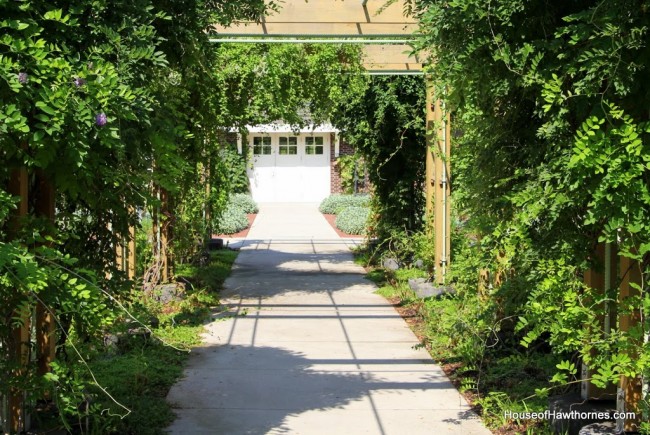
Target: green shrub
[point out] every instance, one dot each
(232, 220)
(243, 201)
(334, 204)
(234, 166)
(352, 220)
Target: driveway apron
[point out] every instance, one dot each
(307, 347)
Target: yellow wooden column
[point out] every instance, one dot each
(630, 391)
(165, 235)
(119, 253)
(131, 253)
(439, 150)
(430, 142)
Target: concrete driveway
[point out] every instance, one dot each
(308, 348)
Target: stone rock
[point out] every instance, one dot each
(418, 264)
(390, 264)
(110, 341)
(424, 289)
(606, 427)
(574, 402)
(166, 293)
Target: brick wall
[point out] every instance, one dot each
(335, 183)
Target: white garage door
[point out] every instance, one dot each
(288, 168)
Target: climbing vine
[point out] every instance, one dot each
(103, 103)
(385, 124)
(550, 105)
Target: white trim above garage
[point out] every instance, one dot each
(286, 128)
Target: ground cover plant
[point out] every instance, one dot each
(232, 220)
(234, 217)
(138, 369)
(353, 220)
(352, 212)
(244, 202)
(334, 204)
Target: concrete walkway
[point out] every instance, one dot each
(308, 348)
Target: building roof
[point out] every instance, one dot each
(280, 127)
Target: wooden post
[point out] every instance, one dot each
(484, 282)
(442, 180)
(131, 253)
(596, 279)
(430, 142)
(19, 346)
(119, 252)
(164, 235)
(630, 391)
(155, 231)
(45, 326)
(208, 202)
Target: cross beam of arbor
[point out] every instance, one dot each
(384, 32)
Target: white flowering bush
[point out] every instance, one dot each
(334, 204)
(232, 220)
(353, 220)
(244, 201)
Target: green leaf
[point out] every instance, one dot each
(45, 108)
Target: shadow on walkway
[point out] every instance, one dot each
(249, 397)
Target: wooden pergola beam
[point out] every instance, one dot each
(328, 11)
(317, 29)
(368, 22)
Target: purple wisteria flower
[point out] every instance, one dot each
(100, 119)
(23, 78)
(79, 82)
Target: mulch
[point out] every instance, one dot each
(242, 233)
(331, 218)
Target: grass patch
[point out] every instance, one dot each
(139, 370)
(212, 276)
(377, 276)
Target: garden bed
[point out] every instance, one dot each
(331, 219)
(241, 234)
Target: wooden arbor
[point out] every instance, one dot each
(384, 33)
